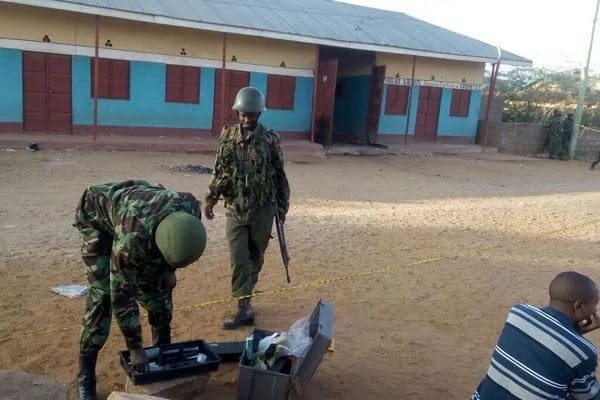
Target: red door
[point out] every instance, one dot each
(46, 92)
(375, 96)
(428, 113)
(234, 81)
(323, 115)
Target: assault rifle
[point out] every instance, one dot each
(285, 256)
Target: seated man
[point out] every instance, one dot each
(541, 353)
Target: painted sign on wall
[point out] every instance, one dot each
(421, 82)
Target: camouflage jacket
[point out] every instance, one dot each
(555, 127)
(129, 211)
(249, 173)
(567, 127)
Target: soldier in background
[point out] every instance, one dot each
(134, 236)
(555, 135)
(250, 177)
(567, 131)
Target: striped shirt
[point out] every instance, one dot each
(539, 356)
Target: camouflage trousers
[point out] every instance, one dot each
(555, 145)
(248, 236)
(96, 245)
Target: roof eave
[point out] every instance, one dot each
(157, 19)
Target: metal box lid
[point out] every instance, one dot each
(321, 333)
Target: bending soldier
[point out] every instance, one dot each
(134, 236)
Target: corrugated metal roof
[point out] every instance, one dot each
(309, 20)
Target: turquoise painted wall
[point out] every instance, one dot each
(11, 86)
(447, 125)
(296, 120)
(146, 105)
(458, 126)
(396, 124)
(351, 108)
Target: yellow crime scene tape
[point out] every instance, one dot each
(324, 282)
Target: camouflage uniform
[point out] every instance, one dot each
(116, 222)
(249, 175)
(567, 126)
(555, 137)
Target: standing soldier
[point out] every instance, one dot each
(134, 236)
(249, 175)
(555, 135)
(567, 131)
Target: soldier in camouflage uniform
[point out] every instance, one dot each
(249, 176)
(134, 236)
(555, 135)
(567, 131)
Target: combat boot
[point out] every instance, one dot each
(244, 316)
(86, 378)
(161, 336)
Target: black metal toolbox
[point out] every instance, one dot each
(173, 361)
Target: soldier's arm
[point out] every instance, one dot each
(281, 182)
(215, 186)
(123, 292)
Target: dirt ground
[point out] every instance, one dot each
(447, 244)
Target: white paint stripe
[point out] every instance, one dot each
(569, 340)
(580, 338)
(58, 5)
(513, 387)
(42, 47)
(528, 370)
(158, 58)
(544, 339)
(269, 70)
(524, 383)
(69, 49)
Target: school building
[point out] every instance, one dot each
(331, 72)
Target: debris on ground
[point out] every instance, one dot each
(71, 291)
(197, 169)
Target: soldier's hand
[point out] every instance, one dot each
(168, 280)
(208, 209)
(139, 361)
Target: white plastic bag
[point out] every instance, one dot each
(71, 291)
(299, 337)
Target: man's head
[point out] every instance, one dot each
(181, 238)
(575, 295)
(249, 103)
(570, 115)
(557, 113)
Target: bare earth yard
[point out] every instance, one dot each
(450, 243)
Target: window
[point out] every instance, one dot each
(459, 107)
(396, 100)
(280, 92)
(113, 78)
(182, 84)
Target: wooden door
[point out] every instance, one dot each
(375, 99)
(47, 92)
(428, 113)
(325, 101)
(234, 81)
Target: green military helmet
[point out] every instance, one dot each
(181, 238)
(249, 99)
